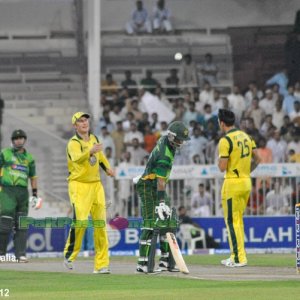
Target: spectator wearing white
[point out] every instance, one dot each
(137, 152)
(252, 92)
(107, 141)
(127, 121)
(140, 22)
(190, 114)
(217, 102)
(266, 126)
(278, 114)
(255, 112)
(277, 201)
(116, 115)
(237, 102)
(131, 134)
(161, 18)
(201, 202)
(206, 97)
(268, 102)
(278, 147)
(197, 145)
(209, 70)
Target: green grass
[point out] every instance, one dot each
(47, 285)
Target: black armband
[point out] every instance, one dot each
(34, 192)
(102, 165)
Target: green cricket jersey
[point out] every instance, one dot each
(16, 167)
(160, 161)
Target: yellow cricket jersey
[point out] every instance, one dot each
(83, 167)
(237, 146)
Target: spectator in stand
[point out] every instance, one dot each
(118, 138)
(190, 114)
(149, 83)
(255, 112)
(255, 204)
(295, 114)
(278, 114)
(295, 143)
(278, 146)
(288, 131)
(268, 102)
(130, 84)
(107, 141)
(297, 90)
(141, 124)
(281, 79)
(288, 101)
(206, 97)
(197, 144)
(172, 82)
(201, 202)
(161, 18)
(104, 121)
(252, 130)
(163, 129)
(134, 108)
(132, 134)
(276, 201)
(127, 121)
(150, 139)
(116, 115)
(209, 70)
(211, 149)
(188, 75)
(251, 93)
(137, 152)
(109, 86)
(139, 22)
(208, 117)
(154, 122)
(237, 102)
(162, 97)
(217, 102)
(266, 126)
(178, 108)
(293, 157)
(275, 90)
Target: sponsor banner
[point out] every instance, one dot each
(212, 171)
(260, 232)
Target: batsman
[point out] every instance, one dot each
(151, 188)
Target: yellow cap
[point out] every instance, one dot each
(78, 115)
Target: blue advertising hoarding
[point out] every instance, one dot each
(260, 232)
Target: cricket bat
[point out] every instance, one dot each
(177, 253)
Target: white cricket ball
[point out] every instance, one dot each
(178, 56)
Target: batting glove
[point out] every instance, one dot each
(36, 202)
(163, 211)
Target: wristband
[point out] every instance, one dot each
(161, 195)
(34, 192)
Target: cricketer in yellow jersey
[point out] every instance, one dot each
(238, 158)
(84, 155)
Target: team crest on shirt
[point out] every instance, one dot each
(93, 160)
(186, 132)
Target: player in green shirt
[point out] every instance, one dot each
(16, 166)
(151, 188)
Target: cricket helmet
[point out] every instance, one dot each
(178, 133)
(18, 133)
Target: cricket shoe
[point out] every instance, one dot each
(68, 264)
(164, 266)
(144, 270)
(22, 259)
(231, 264)
(102, 271)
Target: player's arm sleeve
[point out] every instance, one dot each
(76, 153)
(32, 169)
(225, 147)
(103, 161)
(163, 168)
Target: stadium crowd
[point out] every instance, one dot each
(270, 114)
